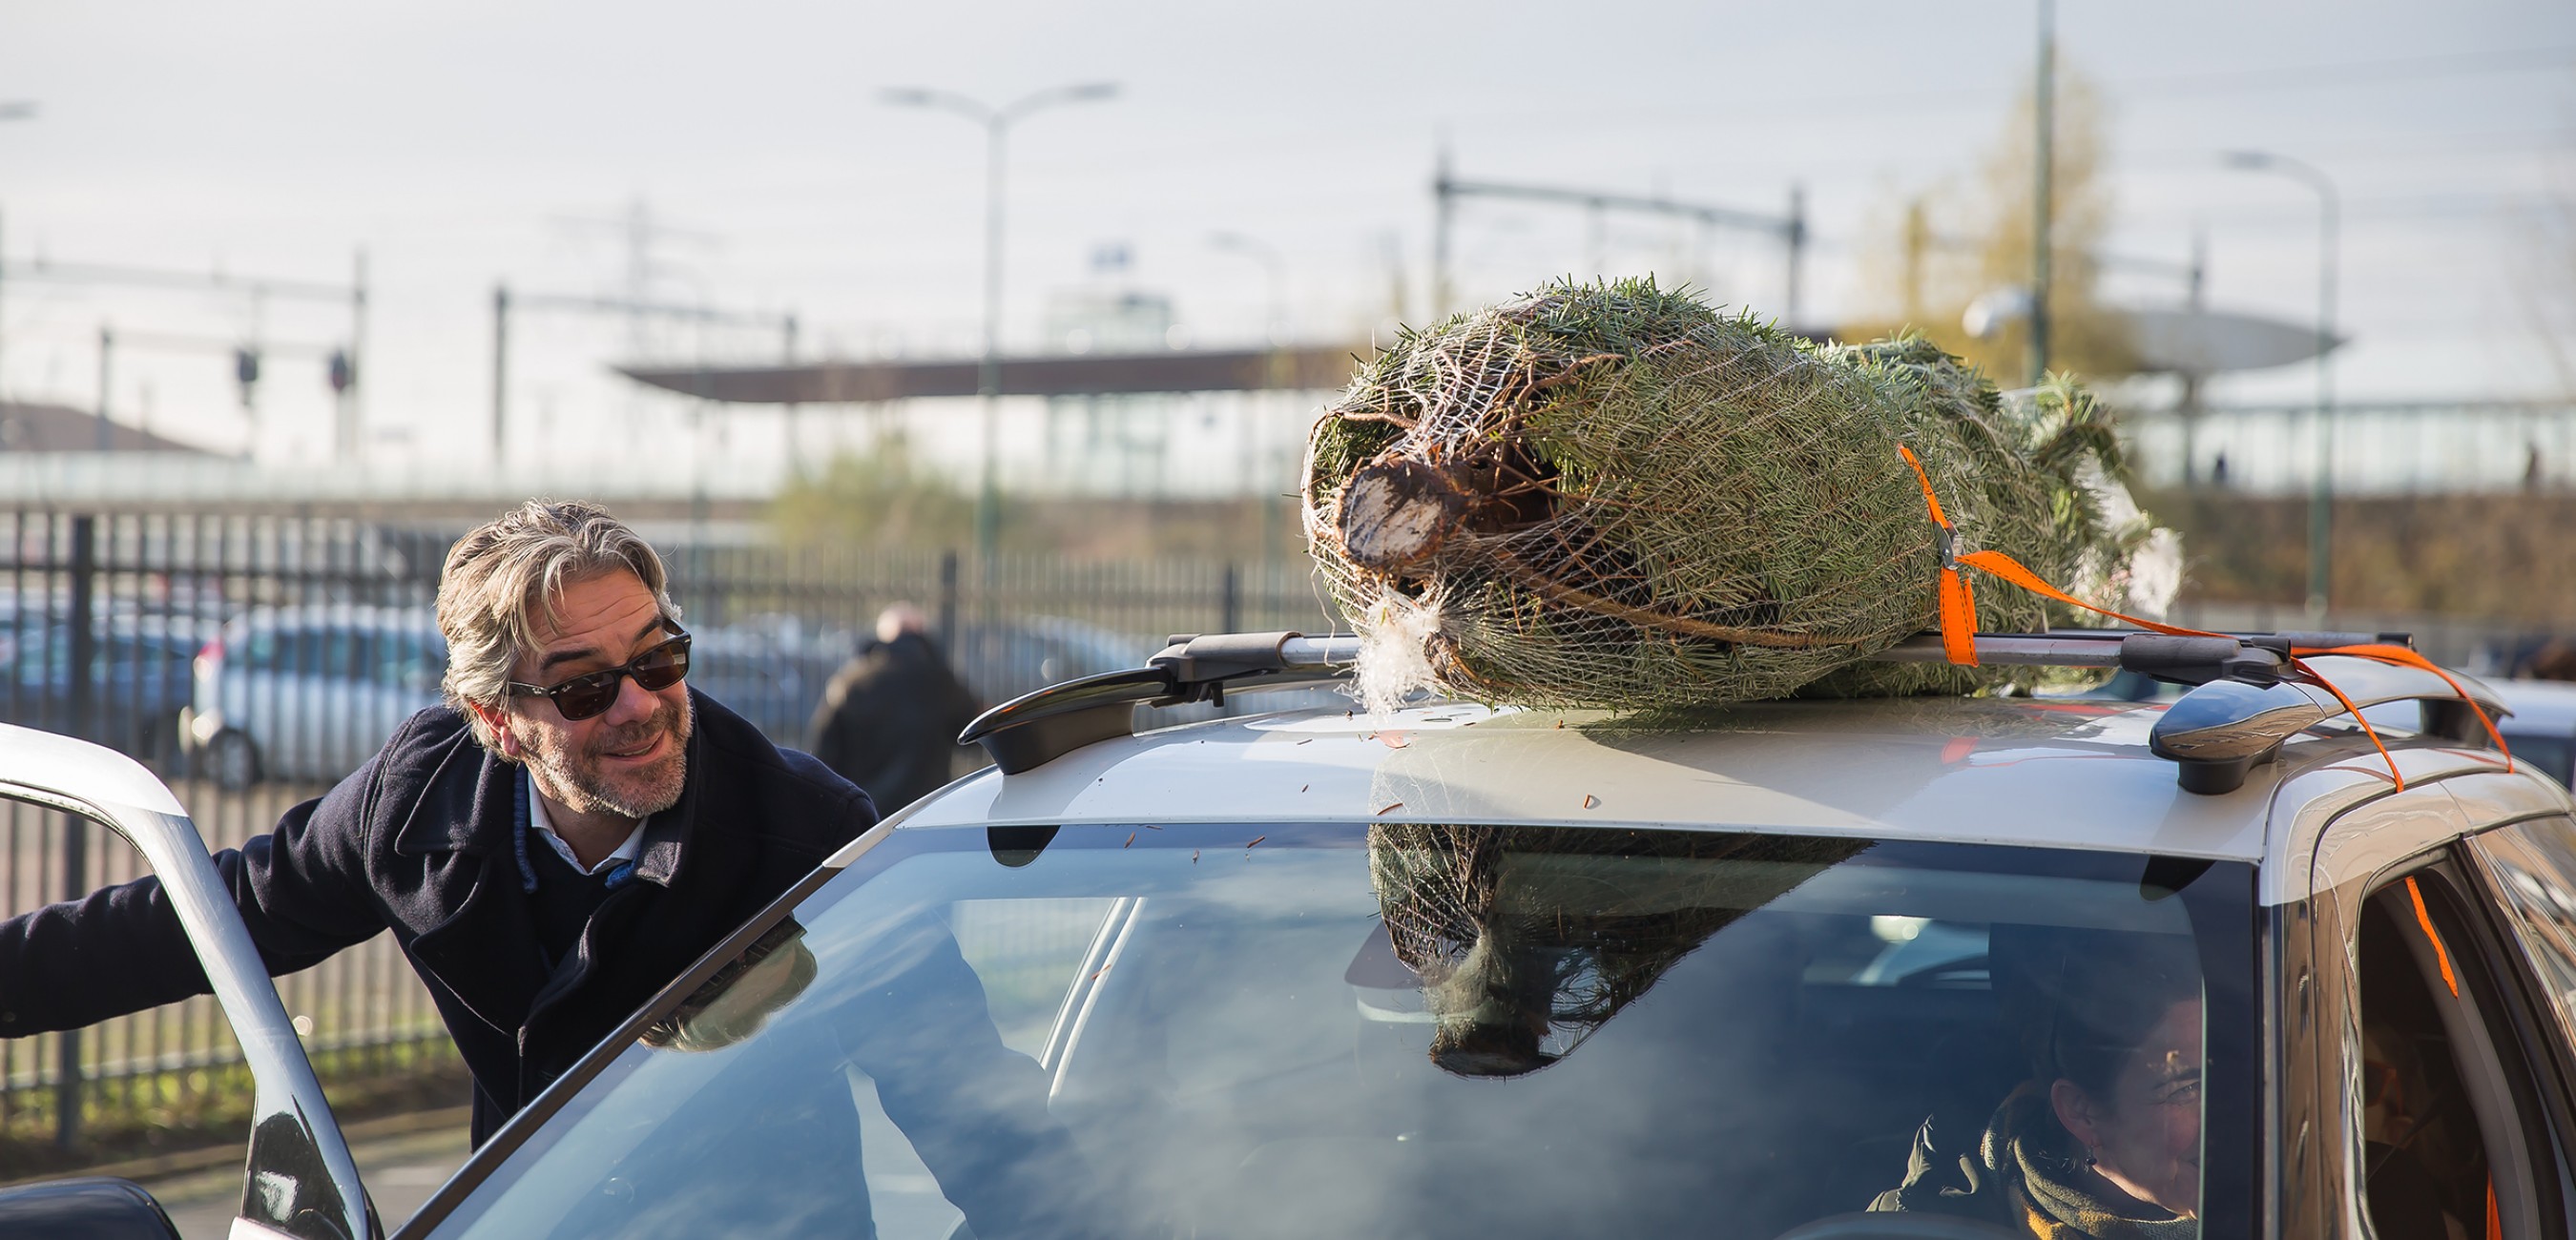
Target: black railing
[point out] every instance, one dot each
(254, 661)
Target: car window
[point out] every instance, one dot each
(38, 655)
(340, 654)
(410, 660)
(2533, 865)
(2553, 755)
(2446, 1101)
(1414, 1030)
(275, 650)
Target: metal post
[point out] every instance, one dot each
(353, 417)
(787, 357)
(2196, 277)
(82, 624)
(106, 354)
(988, 373)
(1797, 238)
(2321, 485)
(500, 369)
(996, 123)
(2321, 493)
(1230, 603)
(1444, 208)
(948, 603)
(2187, 408)
(4, 271)
(83, 627)
(1917, 239)
(2043, 172)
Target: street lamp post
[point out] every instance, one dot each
(2321, 488)
(1275, 271)
(2043, 189)
(18, 110)
(988, 373)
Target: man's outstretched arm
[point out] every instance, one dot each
(302, 889)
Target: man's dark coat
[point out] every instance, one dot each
(889, 720)
(419, 841)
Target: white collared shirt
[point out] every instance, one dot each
(546, 831)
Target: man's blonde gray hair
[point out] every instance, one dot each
(499, 577)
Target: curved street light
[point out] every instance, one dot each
(2321, 488)
(996, 122)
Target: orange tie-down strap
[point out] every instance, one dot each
(1959, 623)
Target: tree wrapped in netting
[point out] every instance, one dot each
(1615, 495)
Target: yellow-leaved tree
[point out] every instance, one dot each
(1968, 237)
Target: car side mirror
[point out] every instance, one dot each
(90, 1208)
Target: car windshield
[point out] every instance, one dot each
(1418, 1030)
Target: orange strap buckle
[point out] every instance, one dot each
(1959, 623)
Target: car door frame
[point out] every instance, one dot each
(299, 1179)
(2524, 974)
(2354, 851)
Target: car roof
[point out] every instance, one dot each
(2057, 773)
(367, 616)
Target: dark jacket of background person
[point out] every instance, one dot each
(889, 720)
(420, 841)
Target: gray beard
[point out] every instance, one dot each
(577, 781)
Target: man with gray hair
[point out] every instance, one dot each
(567, 833)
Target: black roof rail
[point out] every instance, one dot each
(2246, 696)
(1030, 731)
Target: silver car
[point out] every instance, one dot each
(1474, 972)
(309, 693)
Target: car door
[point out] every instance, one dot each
(300, 1181)
(2437, 1074)
(270, 705)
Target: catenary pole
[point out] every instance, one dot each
(2043, 174)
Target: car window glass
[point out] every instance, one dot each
(1026, 953)
(36, 656)
(338, 654)
(2534, 868)
(2442, 1143)
(1415, 1031)
(273, 650)
(408, 660)
(2552, 755)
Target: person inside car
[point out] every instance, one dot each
(2103, 1140)
(561, 838)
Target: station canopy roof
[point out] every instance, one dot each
(1298, 368)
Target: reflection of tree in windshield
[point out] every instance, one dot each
(1529, 939)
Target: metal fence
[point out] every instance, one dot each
(2427, 447)
(252, 661)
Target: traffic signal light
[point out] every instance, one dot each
(341, 374)
(246, 371)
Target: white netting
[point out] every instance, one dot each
(1614, 495)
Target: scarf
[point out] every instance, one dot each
(2051, 1191)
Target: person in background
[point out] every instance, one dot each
(889, 719)
(2554, 661)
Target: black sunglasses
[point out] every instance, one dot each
(584, 696)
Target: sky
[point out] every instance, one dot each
(474, 143)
